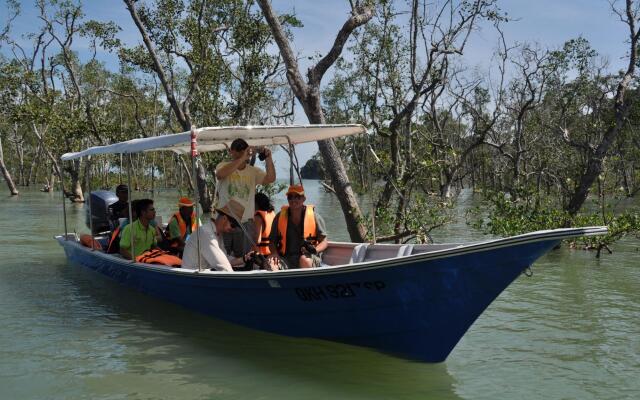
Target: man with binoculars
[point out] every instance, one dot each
(237, 180)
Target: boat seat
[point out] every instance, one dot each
(376, 252)
(405, 250)
(337, 254)
(358, 253)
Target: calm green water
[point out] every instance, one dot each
(572, 331)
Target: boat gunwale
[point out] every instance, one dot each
(461, 249)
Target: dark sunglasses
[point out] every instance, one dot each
(294, 196)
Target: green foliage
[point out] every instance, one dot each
(416, 222)
(272, 189)
(620, 226)
(500, 215)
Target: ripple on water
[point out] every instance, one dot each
(570, 331)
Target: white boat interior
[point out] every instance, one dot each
(339, 253)
(343, 253)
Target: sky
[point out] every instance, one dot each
(547, 22)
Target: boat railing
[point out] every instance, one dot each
(426, 248)
(376, 252)
(70, 236)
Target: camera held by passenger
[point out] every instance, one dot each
(262, 154)
(309, 247)
(254, 258)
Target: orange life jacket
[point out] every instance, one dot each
(157, 256)
(267, 219)
(112, 241)
(183, 227)
(88, 241)
(308, 227)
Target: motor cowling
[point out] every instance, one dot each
(99, 210)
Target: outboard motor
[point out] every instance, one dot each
(100, 202)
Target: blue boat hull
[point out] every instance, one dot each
(416, 307)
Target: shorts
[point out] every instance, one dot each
(316, 259)
(292, 262)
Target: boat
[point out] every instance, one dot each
(414, 301)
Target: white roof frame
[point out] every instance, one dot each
(219, 138)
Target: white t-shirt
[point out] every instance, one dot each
(212, 254)
(241, 187)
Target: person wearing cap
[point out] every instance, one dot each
(237, 180)
(119, 209)
(212, 252)
(181, 225)
(299, 236)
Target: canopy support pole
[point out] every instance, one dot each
(88, 183)
(133, 257)
(64, 206)
(196, 189)
(290, 162)
(369, 149)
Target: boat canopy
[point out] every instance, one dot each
(219, 138)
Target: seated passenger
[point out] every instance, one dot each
(299, 236)
(212, 252)
(119, 209)
(144, 232)
(263, 221)
(180, 226)
(114, 242)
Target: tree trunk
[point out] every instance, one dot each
(76, 194)
(308, 94)
(6, 174)
(20, 154)
(183, 117)
(52, 158)
(621, 108)
(51, 180)
(187, 172)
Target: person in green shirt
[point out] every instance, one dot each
(144, 234)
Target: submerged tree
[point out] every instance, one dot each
(630, 16)
(308, 94)
(230, 77)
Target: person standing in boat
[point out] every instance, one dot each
(180, 226)
(143, 231)
(213, 254)
(299, 235)
(237, 180)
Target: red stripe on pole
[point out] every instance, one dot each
(194, 144)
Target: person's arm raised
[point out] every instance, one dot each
(270, 177)
(229, 168)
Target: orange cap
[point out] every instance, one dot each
(295, 189)
(185, 202)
